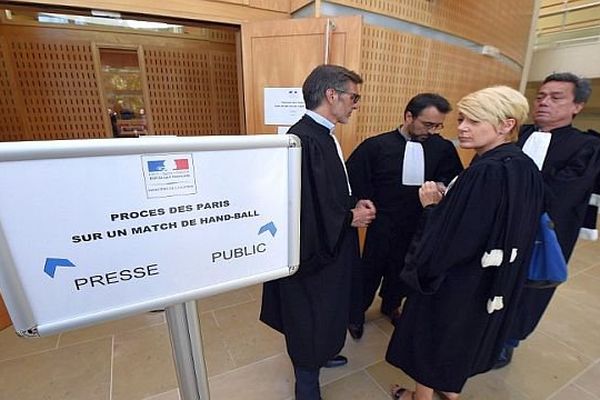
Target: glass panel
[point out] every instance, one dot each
(122, 83)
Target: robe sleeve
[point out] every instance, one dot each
(450, 165)
(589, 230)
(323, 218)
(360, 170)
(457, 230)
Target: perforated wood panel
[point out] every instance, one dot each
(60, 92)
(503, 24)
(397, 66)
(192, 92)
(225, 93)
(393, 66)
(11, 125)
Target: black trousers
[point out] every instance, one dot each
(307, 384)
(365, 282)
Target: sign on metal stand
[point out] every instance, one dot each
(95, 230)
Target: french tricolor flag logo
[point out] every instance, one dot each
(181, 164)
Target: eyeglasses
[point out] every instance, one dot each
(355, 97)
(433, 126)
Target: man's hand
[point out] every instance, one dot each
(363, 213)
(430, 193)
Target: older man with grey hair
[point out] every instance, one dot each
(311, 307)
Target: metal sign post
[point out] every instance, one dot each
(186, 343)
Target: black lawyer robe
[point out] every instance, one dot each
(375, 169)
(311, 307)
(570, 171)
(468, 265)
(589, 230)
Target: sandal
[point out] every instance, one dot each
(398, 393)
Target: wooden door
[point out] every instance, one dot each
(282, 54)
(4, 318)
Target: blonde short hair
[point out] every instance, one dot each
(494, 105)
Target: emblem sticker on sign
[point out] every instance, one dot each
(168, 175)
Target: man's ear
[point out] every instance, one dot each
(330, 95)
(578, 108)
(408, 117)
(507, 126)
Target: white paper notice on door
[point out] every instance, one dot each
(283, 106)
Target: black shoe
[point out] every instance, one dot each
(336, 361)
(356, 330)
(504, 358)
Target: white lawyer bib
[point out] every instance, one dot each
(536, 147)
(413, 166)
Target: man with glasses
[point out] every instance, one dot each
(311, 307)
(389, 169)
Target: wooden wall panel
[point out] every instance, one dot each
(392, 66)
(225, 93)
(274, 5)
(4, 317)
(11, 124)
(186, 98)
(231, 12)
(52, 90)
(295, 5)
(503, 24)
(59, 87)
(396, 66)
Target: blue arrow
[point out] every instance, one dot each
(268, 227)
(53, 263)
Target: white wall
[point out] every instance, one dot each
(583, 60)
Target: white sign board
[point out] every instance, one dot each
(98, 229)
(283, 106)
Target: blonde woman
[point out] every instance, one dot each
(468, 262)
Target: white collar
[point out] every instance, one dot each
(321, 120)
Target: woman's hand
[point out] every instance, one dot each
(430, 193)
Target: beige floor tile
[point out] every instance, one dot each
(270, 379)
(490, 386)
(541, 365)
(110, 328)
(582, 288)
(256, 292)
(573, 392)
(143, 364)
(247, 339)
(216, 354)
(358, 386)
(170, 395)
(577, 325)
(589, 253)
(586, 254)
(577, 266)
(367, 351)
(384, 326)
(12, 346)
(224, 300)
(76, 372)
(593, 271)
(590, 379)
(386, 375)
(485, 386)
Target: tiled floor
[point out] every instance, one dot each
(131, 359)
